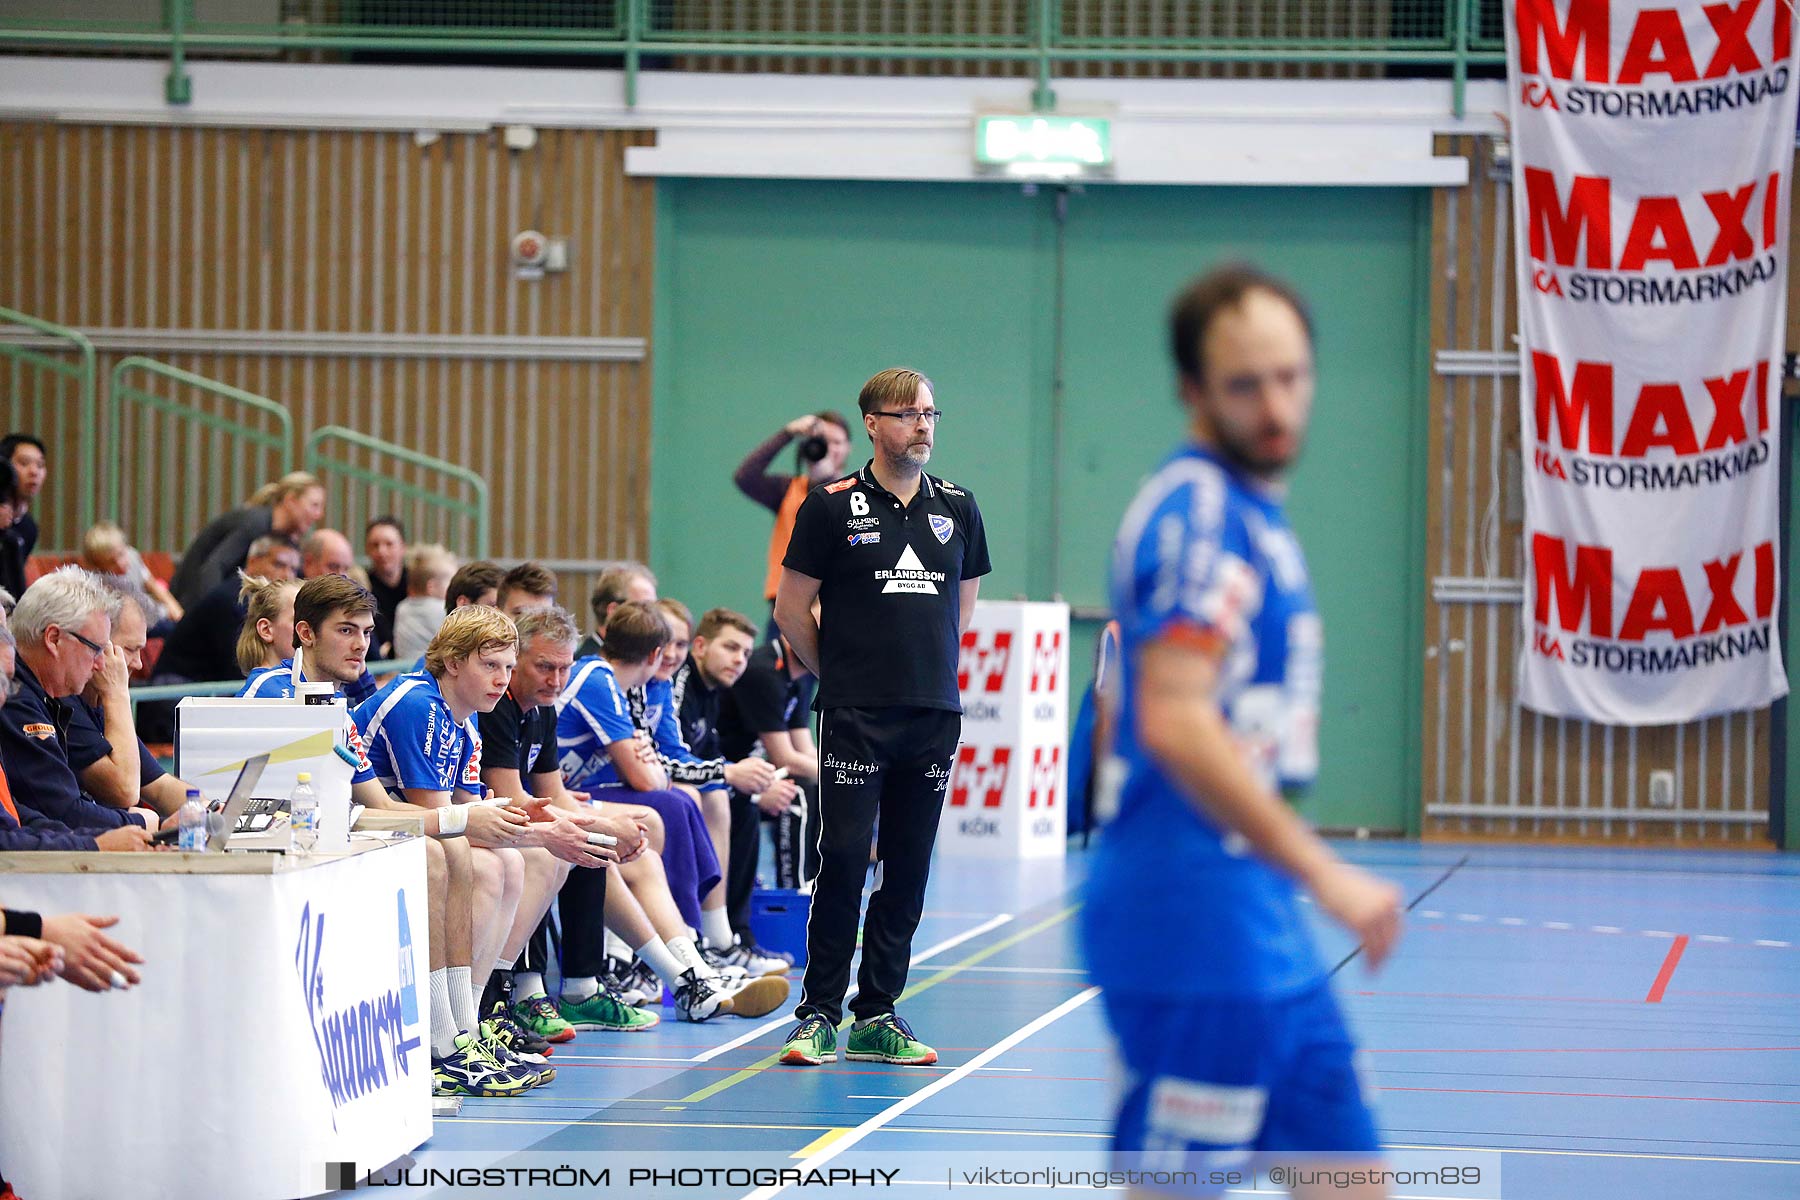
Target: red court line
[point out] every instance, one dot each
(1587, 1095)
(1668, 969)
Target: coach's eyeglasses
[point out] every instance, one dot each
(97, 648)
(914, 417)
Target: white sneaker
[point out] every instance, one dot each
(753, 963)
(697, 998)
(756, 997)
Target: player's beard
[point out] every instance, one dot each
(1252, 453)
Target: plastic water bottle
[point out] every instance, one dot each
(303, 814)
(192, 818)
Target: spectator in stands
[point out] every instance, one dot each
(113, 764)
(429, 569)
(106, 552)
(12, 549)
(518, 762)
(617, 584)
(30, 462)
(203, 646)
(526, 587)
(605, 755)
(766, 708)
(267, 636)
(63, 626)
(287, 508)
(824, 445)
(326, 552)
(385, 543)
(712, 780)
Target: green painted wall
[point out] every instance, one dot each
(776, 298)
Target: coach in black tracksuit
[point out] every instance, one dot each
(895, 559)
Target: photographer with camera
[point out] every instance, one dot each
(824, 445)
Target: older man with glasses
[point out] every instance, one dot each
(62, 624)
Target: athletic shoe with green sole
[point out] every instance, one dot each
(604, 1011)
(495, 1045)
(811, 1042)
(888, 1039)
(538, 1014)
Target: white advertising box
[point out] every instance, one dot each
(282, 1025)
(1008, 789)
(214, 735)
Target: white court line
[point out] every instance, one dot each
(874, 1097)
(949, 943)
(1034, 970)
(1719, 939)
(1704, 1158)
(829, 1152)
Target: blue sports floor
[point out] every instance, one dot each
(1618, 1023)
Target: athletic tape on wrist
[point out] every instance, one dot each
(453, 820)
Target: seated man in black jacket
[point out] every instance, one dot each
(41, 805)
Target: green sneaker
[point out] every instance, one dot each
(887, 1039)
(604, 1011)
(813, 1041)
(538, 1014)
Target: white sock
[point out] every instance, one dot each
(527, 984)
(684, 950)
(462, 1000)
(716, 925)
(663, 959)
(577, 988)
(443, 1020)
(475, 990)
(616, 947)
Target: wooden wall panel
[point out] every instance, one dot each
(183, 229)
(1481, 750)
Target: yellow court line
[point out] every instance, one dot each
(758, 1067)
(819, 1143)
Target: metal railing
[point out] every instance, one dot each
(415, 487)
(205, 456)
(1032, 37)
(47, 362)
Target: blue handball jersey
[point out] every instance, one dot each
(414, 740)
(591, 714)
(1176, 904)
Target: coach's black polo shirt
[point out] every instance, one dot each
(514, 738)
(889, 578)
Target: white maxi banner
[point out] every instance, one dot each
(1006, 795)
(1653, 145)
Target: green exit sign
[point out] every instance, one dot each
(1043, 144)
